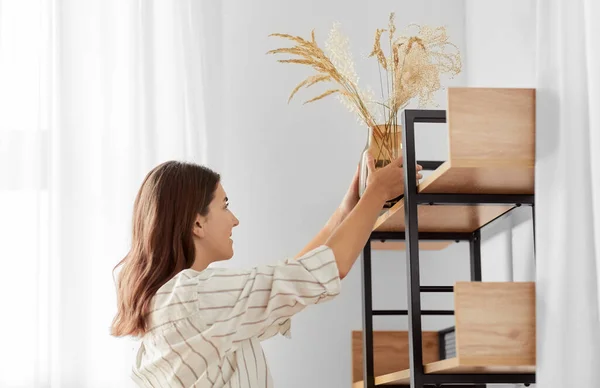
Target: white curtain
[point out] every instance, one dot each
(93, 95)
(568, 193)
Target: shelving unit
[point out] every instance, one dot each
(489, 172)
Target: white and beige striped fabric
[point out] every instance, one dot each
(206, 327)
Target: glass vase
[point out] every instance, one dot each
(384, 142)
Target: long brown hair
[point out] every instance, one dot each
(165, 208)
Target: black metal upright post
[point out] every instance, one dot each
(367, 302)
(415, 338)
(475, 259)
(533, 224)
(475, 250)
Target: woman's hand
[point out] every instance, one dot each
(389, 180)
(352, 197)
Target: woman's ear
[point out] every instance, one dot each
(198, 228)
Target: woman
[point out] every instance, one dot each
(200, 326)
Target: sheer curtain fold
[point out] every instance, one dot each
(24, 138)
(567, 193)
(93, 94)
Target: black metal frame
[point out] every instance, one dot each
(412, 199)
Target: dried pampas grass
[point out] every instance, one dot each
(334, 68)
(412, 69)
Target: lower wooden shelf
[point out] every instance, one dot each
(451, 365)
(494, 333)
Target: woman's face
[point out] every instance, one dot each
(217, 226)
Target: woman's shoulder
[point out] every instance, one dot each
(213, 272)
(186, 279)
(179, 286)
(174, 301)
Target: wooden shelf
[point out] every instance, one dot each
(390, 351)
(445, 218)
(494, 333)
(481, 177)
(491, 151)
(401, 245)
(451, 365)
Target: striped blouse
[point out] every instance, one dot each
(206, 327)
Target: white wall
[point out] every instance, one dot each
(500, 52)
(286, 167)
(500, 39)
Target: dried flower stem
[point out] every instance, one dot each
(412, 69)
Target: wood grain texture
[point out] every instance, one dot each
(401, 245)
(453, 365)
(390, 351)
(495, 333)
(469, 177)
(491, 151)
(492, 124)
(495, 323)
(399, 377)
(445, 218)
